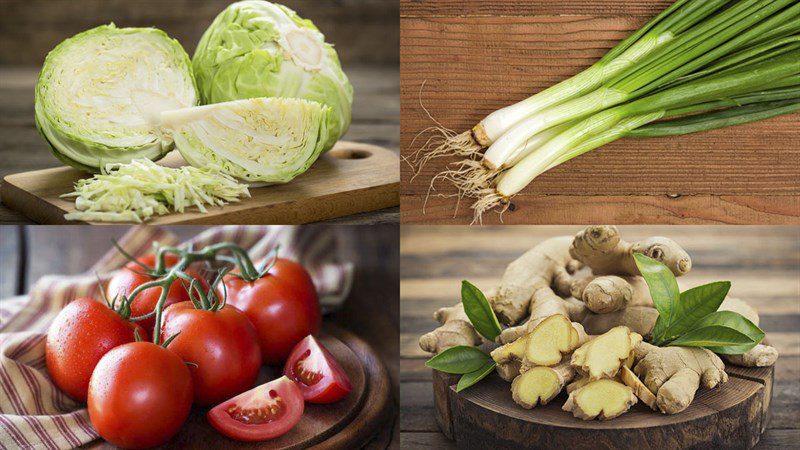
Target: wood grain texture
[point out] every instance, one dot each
(762, 262)
(731, 416)
(376, 112)
(475, 57)
(350, 178)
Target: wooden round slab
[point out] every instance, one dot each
(485, 416)
(347, 423)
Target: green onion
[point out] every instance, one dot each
(664, 28)
(755, 77)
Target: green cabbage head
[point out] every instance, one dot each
(259, 49)
(100, 93)
(260, 140)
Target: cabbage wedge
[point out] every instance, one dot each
(269, 140)
(256, 48)
(100, 93)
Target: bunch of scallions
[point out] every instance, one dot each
(699, 65)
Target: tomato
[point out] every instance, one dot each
(283, 306)
(80, 335)
(264, 412)
(223, 344)
(140, 395)
(132, 275)
(317, 373)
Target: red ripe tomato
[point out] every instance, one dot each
(283, 306)
(223, 344)
(140, 395)
(317, 373)
(80, 335)
(264, 412)
(132, 275)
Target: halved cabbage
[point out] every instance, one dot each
(259, 49)
(261, 139)
(100, 94)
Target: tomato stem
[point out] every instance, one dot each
(166, 276)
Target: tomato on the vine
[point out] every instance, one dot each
(84, 331)
(283, 305)
(317, 373)
(264, 412)
(221, 344)
(133, 275)
(140, 395)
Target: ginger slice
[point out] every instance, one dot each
(540, 384)
(603, 399)
(603, 356)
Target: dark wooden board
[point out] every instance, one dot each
(475, 56)
(349, 422)
(484, 415)
(349, 179)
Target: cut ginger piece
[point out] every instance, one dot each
(540, 384)
(602, 399)
(512, 351)
(639, 389)
(547, 344)
(603, 356)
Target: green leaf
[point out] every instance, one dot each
(739, 323)
(694, 305)
(663, 290)
(479, 311)
(460, 359)
(473, 377)
(711, 336)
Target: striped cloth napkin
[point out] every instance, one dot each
(34, 414)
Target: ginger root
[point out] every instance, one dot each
(542, 308)
(641, 392)
(553, 338)
(508, 370)
(603, 356)
(609, 293)
(674, 374)
(539, 385)
(456, 330)
(534, 284)
(603, 399)
(533, 275)
(640, 319)
(761, 355)
(601, 249)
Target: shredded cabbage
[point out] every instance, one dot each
(138, 190)
(261, 139)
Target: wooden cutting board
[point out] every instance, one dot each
(349, 179)
(345, 424)
(485, 416)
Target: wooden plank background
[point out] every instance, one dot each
(478, 56)
(763, 264)
(365, 32)
(371, 311)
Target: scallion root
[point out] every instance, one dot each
(490, 200)
(444, 142)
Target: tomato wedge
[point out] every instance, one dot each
(264, 412)
(316, 372)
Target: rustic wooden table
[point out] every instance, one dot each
(475, 56)
(763, 263)
(371, 311)
(376, 114)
